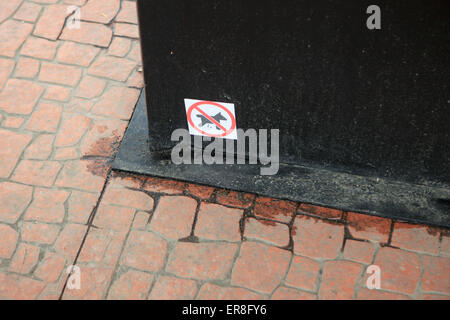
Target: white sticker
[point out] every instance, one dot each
(211, 119)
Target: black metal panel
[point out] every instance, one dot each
(372, 102)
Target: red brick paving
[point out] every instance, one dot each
(260, 267)
(327, 236)
(268, 231)
(214, 222)
(66, 96)
(303, 274)
(202, 261)
(368, 227)
(400, 269)
(339, 279)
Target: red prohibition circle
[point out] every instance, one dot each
(196, 106)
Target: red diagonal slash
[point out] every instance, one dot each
(210, 118)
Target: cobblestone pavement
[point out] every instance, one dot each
(66, 96)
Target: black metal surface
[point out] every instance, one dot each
(382, 197)
(369, 102)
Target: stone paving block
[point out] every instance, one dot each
(126, 30)
(416, 237)
(13, 122)
(171, 288)
(9, 241)
(6, 68)
(40, 148)
(135, 52)
(435, 297)
(445, 245)
(112, 68)
(90, 87)
(45, 118)
(260, 267)
(202, 261)
(39, 48)
(94, 284)
(132, 285)
(272, 209)
(17, 287)
(57, 93)
(36, 172)
(74, 2)
(80, 206)
(216, 222)
(20, 96)
(69, 240)
(73, 127)
(359, 251)
(68, 153)
(210, 291)
(12, 145)
(12, 35)
(128, 198)
(60, 74)
(126, 180)
(367, 294)
(25, 258)
(48, 1)
(7, 8)
(136, 80)
(76, 53)
(339, 279)
(128, 12)
(82, 175)
(39, 232)
(119, 47)
(235, 199)
(158, 185)
(102, 247)
(400, 270)
(368, 227)
(114, 217)
(51, 21)
(268, 231)
(174, 216)
(27, 68)
(89, 33)
(144, 251)
(117, 102)
(435, 274)
(283, 293)
(202, 192)
(28, 11)
(320, 211)
(141, 220)
(14, 198)
(101, 11)
(303, 273)
(317, 238)
(50, 267)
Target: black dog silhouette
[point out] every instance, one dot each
(218, 117)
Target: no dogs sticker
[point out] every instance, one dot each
(211, 119)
